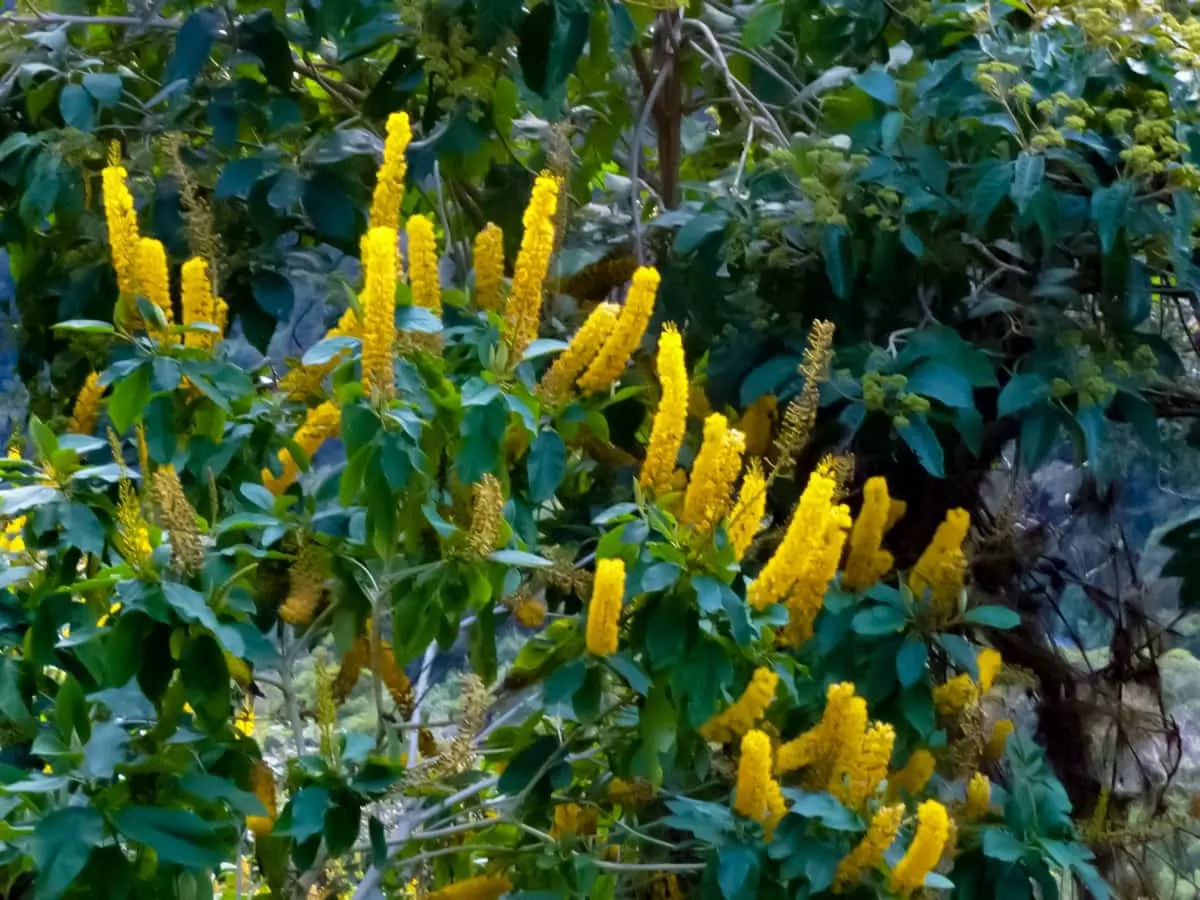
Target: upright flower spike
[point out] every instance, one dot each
(480, 887)
(320, 424)
(745, 712)
(979, 797)
(869, 852)
(933, 828)
(523, 313)
(868, 562)
(199, 304)
(487, 512)
(351, 668)
(153, 280)
(670, 419)
(423, 264)
(714, 472)
(559, 378)
(132, 539)
(914, 776)
(178, 517)
(489, 267)
(864, 779)
(87, 405)
(846, 736)
(821, 743)
(820, 565)
(757, 795)
(610, 362)
(997, 742)
(389, 185)
(306, 584)
(122, 224)
(955, 695)
(263, 783)
(943, 566)
(789, 561)
(604, 611)
(379, 312)
(749, 510)
(989, 663)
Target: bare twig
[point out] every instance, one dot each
(635, 158)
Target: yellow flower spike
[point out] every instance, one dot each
(423, 264)
(979, 797)
(670, 419)
(395, 680)
(789, 561)
(745, 712)
(87, 406)
(557, 382)
(523, 312)
(389, 185)
(868, 562)
(529, 612)
(122, 226)
(846, 737)
(263, 783)
(178, 517)
(306, 584)
(955, 695)
(821, 741)
(12, 538)
(487, 514)
(869, 852)
(758, 424)
(933, 828)
(943, 566)
(132, 539)
(820, 566)
(871, 769)
(610, 362)
(379, 312)
(757, 795)
(199, 304)
(243, 720)
(714, 472)
(481, 887)
(489, 267)
(989, 663)
(914, 776)
(604, 611)
(320, 424)
(749, 510)
(153, 280)
(351, 668)
(997, 742)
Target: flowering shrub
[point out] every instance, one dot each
(701, 725)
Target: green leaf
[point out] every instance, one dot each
(526, 764)
(205, 676)
(710, 822)
(698, 229)
(85, 326)
(76, 107)
(838, 268)
(211, 787)
(341, 826)
(1028, 175)
(922, 440)
(129, 399)
(105, 87)
(193, 44)
(993, 617)
(104, 751)
(1109, 206)
(1002, 845)
(547, 465)
(1022, 391)
(877, 620)
(762, 25)
(877, 83)
(738, 871)
(623, 664)
(992, 187)
(61, 845)
(378, 838)
(304, 815)
(520, 559)
(1039, 432)
(176, 835)
(911, 661)
(943, 383)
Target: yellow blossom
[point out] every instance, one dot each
(487, 514)
(846, 741)
(867, 562)
(914, 776)
(306, 584)
(243, 720)
(989, 662)
(489, 267)
(933, 828)
(870, 770)
(820, 565)
(263, 783)
(153, 282)
(523, 312)
(395, 680)
(979, 797)
(610, 362)
(604, 611)
(351, 668)
(745, 712)
(199, 304)
(423, 264)
(87, 405)
(997, 742)
(481, 887)
(389, 184)
(955, 695)
(670, 419)
(821, 743)
(749, 510)
(122, 226)
(559, 378)
(943, 565)
(869, 852)
(320, 423)
(758, 424)
(529, 612)
(132, 538)
(757, 795)
(379, 312)
(714, 472)
(789, 562)
(12, 538)
(573, 819)
(629, 793)
(178, 517)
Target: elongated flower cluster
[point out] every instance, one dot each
(745, 712)
(997, 742)
(523, 312)
(933, 828)
(610, 362)
(758, 795)
(86, 411)
(487, 513)
(914, 776)
(979, 797)
(12, 536)
(943, 566)
(243, 719)
(957, 694)
(320, 424)
(868, 561)
(670, 419)
(868, 853)
(529, 611)
(351, 668)
(122, 224)
(808, 593)
(179, 519)
(748, 511)
(480, 887)
(758, 424)
(573, 819)
(423, 264)
(489, 267)
(306, 584)
(389, 184)
(630, 793)
(263, 783)
(200, 307)
(714, 472)
(842, 754)
(870, 769)
(801, 414)
(153, 280)
(395, 680)
(379, 312)
(604, 611)
(989, 663)
(560, 377)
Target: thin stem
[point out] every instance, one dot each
(287, 685)
(635, 159)
(414, 739)
(648, 867)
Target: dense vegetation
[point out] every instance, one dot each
(359, 335)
